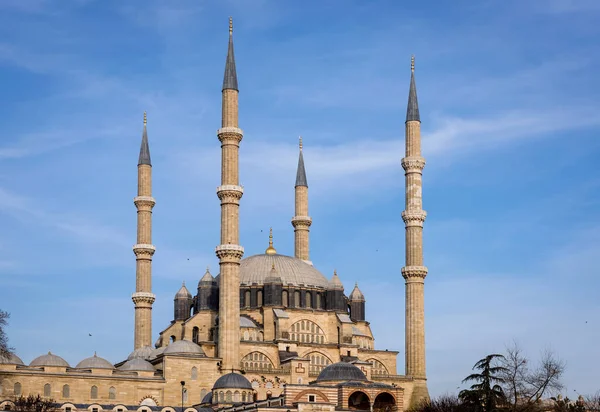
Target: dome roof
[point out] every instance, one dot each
(183, 293)
(356, 293)
(95, 362)
(181, 347)
(341, 371)
(156, 352)
(137, 364)
(49, 360)
(335, 282)
(11, 359)
(292, 271)
(232, 381)
(207, 279)
(143, 353)
(207, 398)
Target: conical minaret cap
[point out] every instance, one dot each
(183, 293)
(335, 282)
(145, 148)
(273, 276)
(230, 78)
(207, 279)
(301, 173)
(412, 110)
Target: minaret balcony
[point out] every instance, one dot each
(414, 217)
(414, 273)
(413, 164)
(302, 220)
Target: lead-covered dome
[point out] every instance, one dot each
(145, 352)
(137, 364)
(232, 380)
(49, 360)
(183, 347)
(341, 371)
(11, 359)
(292, 271)
(95, 362)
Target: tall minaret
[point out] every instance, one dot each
(143, 298)
(301, 221)
(414, 272)
(230, 192)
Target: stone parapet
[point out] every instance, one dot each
(413, 164)
(301, 220)
(414, 217)
(229, 253)
(143, 297)
(414, 273)
(144, 251)
(144, 202)
(230, 133)
(230, 194)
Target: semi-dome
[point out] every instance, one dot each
(49, 360)
(11, 359)
(341, 371)
(232, 380)
(95, 362)
(143, 353)
(183, 347)
(292, 271)
(356, 294)
(137, 364)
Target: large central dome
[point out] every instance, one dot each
(292, 271)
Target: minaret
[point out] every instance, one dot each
(414, 272)
(230, 192)
(301, 221)
(143, 298)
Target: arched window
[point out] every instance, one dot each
(17, 389)
(195, 334)
(228, 396)
(172, 338)
(94, 392)
(378, 368)
(194, 373)
(306, 331)
(246, 335)
(203, 393)
(256, 361)
(308, 300)
(297, 299)
(284, 298)
(317, 362)
(66, 392)
(259, 300)
(236, 396)
(47, 390)
(112, 393)
(269, 385)
(243, 396)
(247, 298)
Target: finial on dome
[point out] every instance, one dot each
(207, 268)
(95, 356)
(183, 283)
(270, 250)
(230, 26)
(412, 63)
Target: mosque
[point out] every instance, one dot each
(268, 332)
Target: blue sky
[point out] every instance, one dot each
(508, 93)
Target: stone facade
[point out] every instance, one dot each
(274, 319)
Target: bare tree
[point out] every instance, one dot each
(5, 350)
(34, 403)
(526, 384)
(592, 402)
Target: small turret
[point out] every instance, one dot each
(182, 303)
(357, 304)
(273, 288)
(335, 294)
(207, 297)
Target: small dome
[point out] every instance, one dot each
(137, 364)
(95, 362)
(356, 294)
(207, 279)
(181, 347)
(143, 353)
(335, 282)
(183, 293)
(207, 398)
(49, 360)
(341, 371)
(232, 381)
(157, 352)
(11, 359)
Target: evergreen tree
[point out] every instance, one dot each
(486, 394)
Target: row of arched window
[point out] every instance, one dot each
(66, 391)
(306, 331)
(228, 396)
(312, 300)
(362, 342)
(256, 361)
(252, 336)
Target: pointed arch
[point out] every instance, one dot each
(307, 331)
(257, 361)
(318, 361)
(378, 368)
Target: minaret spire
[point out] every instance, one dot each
(230, 78)
(143, 249)
(301, 221)
(230, 192)
(414, 271)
